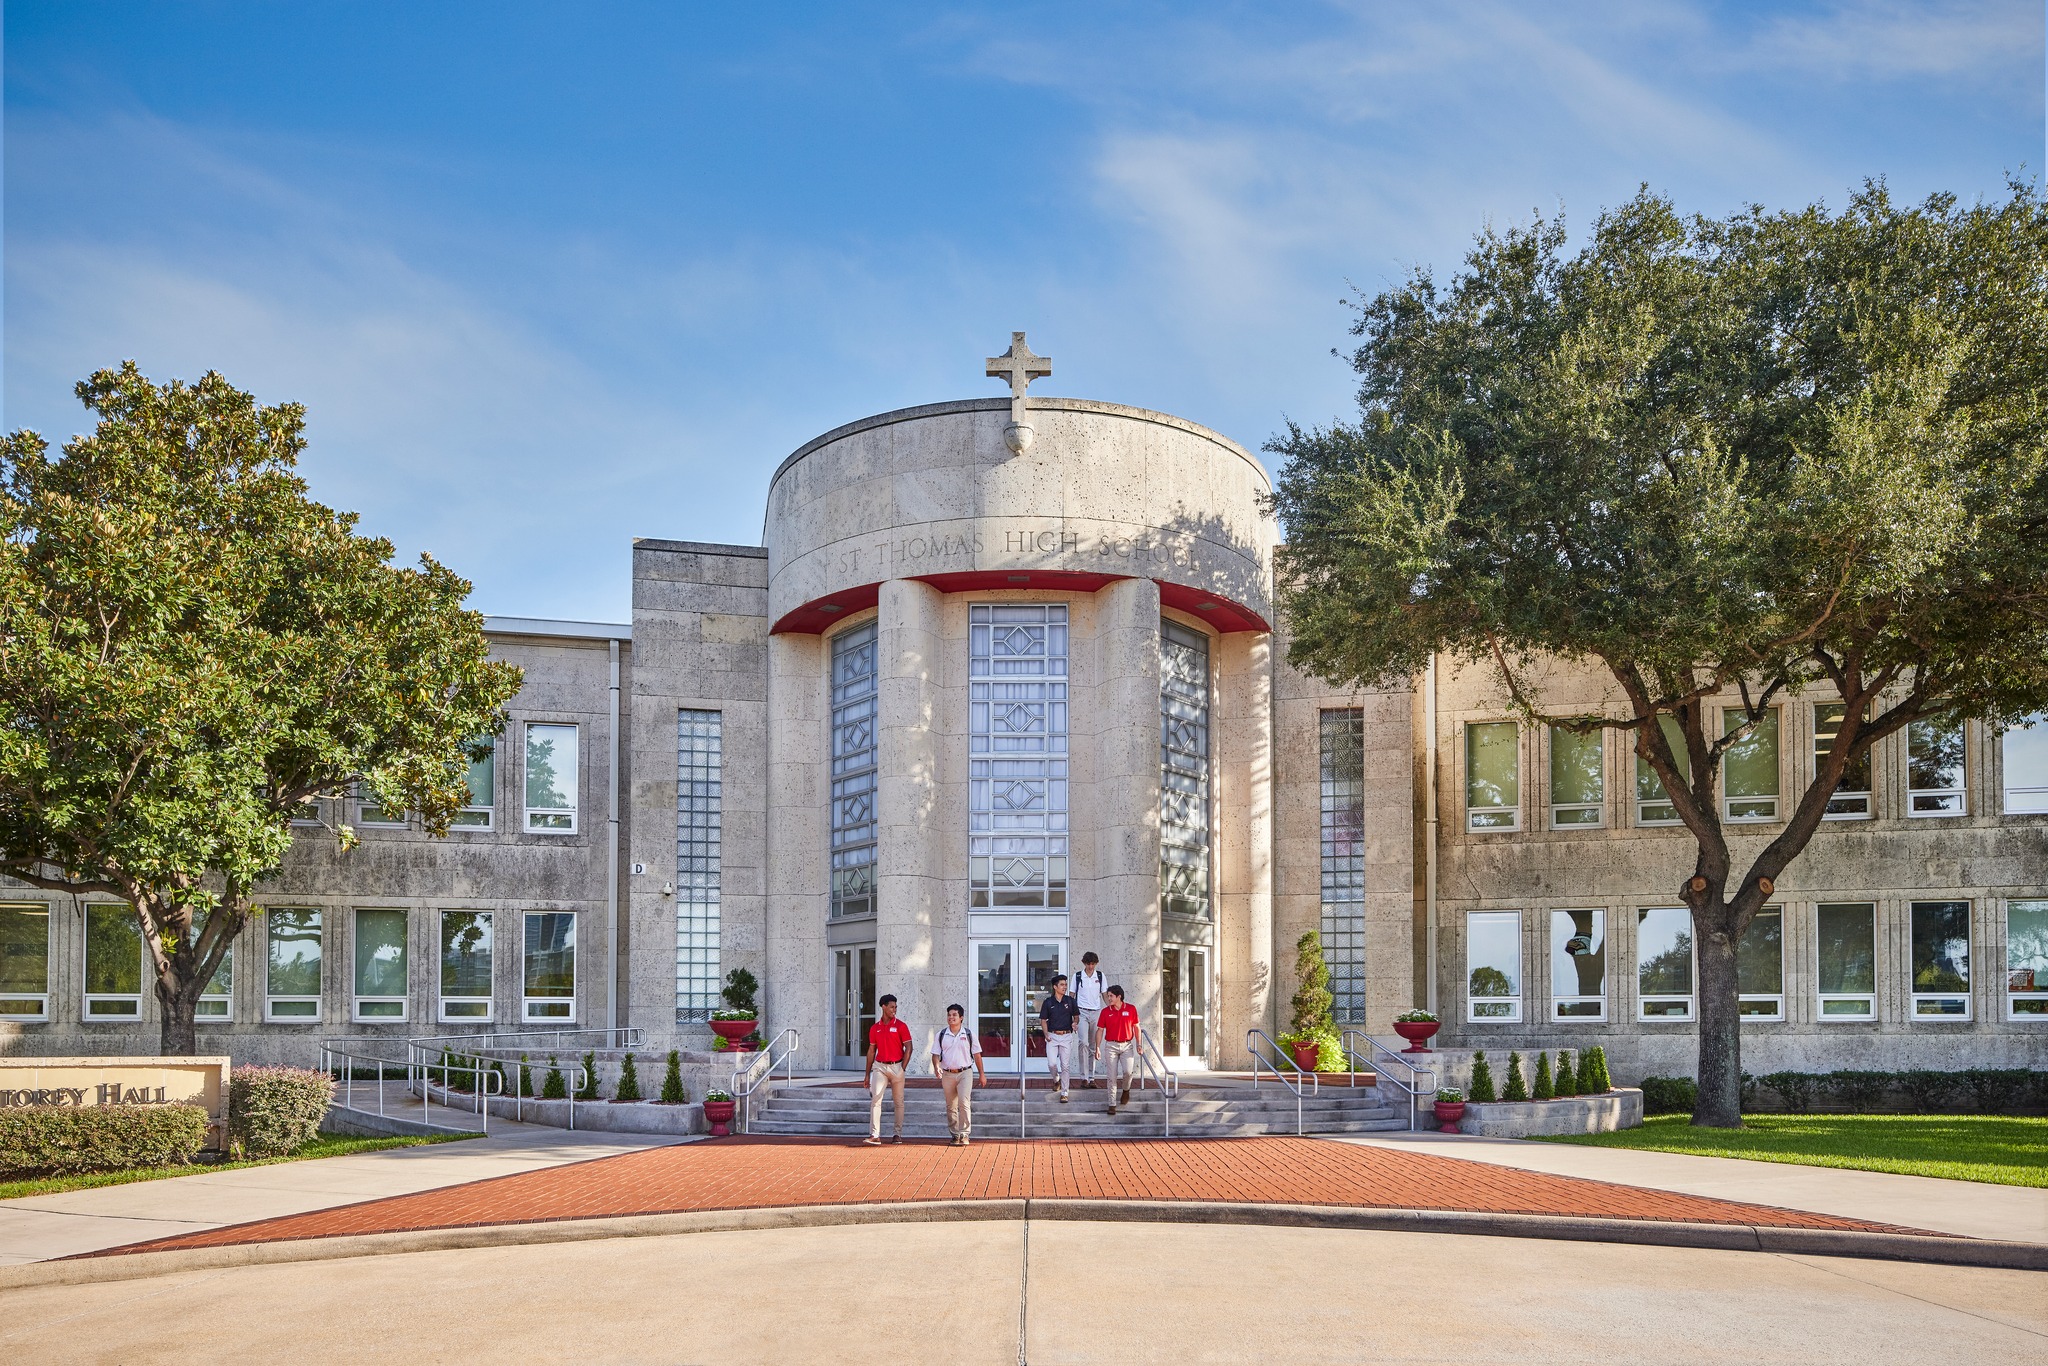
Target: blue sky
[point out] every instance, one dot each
(552, 276)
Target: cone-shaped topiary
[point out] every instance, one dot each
(1517, 1088)
(1482, 1081)
(1593, 1078)
(1567, 1082)
(1542, 1089)
(672, 1092)
(629, 1081)
(589, 1091)
(525, 1077)
(1312, 999)
(554, 1086)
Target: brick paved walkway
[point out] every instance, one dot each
(757, 1173)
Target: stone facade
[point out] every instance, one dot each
(706, 808)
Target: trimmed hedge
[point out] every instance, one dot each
(1670, 1095)
(1976, 1090)
(60, 1140)
(273, 1111)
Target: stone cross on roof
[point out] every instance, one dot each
(1019, 367)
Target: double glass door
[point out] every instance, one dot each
(853, 1003)
(1184, 1003)
(1011, 978)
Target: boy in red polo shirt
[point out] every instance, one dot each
(888, 1055)
(1119, 1023)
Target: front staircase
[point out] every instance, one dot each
(1213, 1110)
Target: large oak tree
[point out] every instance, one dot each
(192, 651)
(1713, 459)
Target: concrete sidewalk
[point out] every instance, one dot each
(38, 1227)
(1971, 1208)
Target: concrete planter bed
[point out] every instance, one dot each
(1621, 1108)
(605, 1116)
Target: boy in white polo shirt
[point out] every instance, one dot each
(956, 1057)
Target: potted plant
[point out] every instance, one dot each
(1450, 1108)
(1303, 1048)
(1417, 1027)
(737, 1023)
(718, 1110)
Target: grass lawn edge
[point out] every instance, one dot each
(326, 1145)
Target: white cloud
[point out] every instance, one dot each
(1995, 41)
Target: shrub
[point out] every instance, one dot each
(1860, 1092)
(740, 988)
(1517, 1088)
(58, 1140)
(1543, 1089)
(1593, 1077)
(1994, 1090)
(1567, 1083)
(554, 1086)
(1670, 1095)
(525, 1077)
(629, 1081)
(672, 1092)
(589, 1088)
(1312, 999)
(1482, 1080)
(276, 1110)
(1795, 1089)
(1926, 1090)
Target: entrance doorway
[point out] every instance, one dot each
(1011, 978)
(1184, 1003)
(853, 1003)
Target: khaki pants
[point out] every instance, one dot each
(1059, 1056)
(1090, 1035)
(1119, 1062)
(887, 1076)
(959, 1101)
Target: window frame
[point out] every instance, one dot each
(1597, 807)
(1558, 1000)
(575, 811)
(1866, 796)
(489, 811)
(1513, 1014)
(365, 804)
(527, 1001)
(89, 997)
(2005, 787)
(41, 998)
(1776, 1015)
(1732, 718)
(442, 1000)
(1960, 792)
(1915, 997)
(271, 1000)
(1675, 736)
(357, 999)
(2037, 990)
(1644, 999)
(225, 999)
(1868, 998)
(1513, 812)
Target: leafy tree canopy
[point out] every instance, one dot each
(191, 650)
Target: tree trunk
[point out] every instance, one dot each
(179, 1036)
(1720, 1063)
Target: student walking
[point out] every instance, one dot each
(1120, 1046)
(956, 1057)
(888, 1056)
(1059, 1015)
(1089, 986)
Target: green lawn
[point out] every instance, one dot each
(2007, 1150)
(327, 1145)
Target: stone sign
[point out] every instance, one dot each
(118, 1081)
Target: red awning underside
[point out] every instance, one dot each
(817, 616)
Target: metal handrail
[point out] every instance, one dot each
(558, 1040)
(481, 1090)
(1145, 1052)
(1145, 1044)
(1279, 1076)
(1413, 1086)
(762, 1068)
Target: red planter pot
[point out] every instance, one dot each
(733, 1031)
(1305, 1055)
(719, 1113)
(1417, 1033)
(1448, 1113)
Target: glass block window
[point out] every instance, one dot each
(548, 974)
(466, 966)
(1343, 787)
(25, 962)
(1183, 771)
(853, 771)
(2026, 960)
(2025, 750)
(1493, 776)
(1578, 778)
(1017, 756)
(552, 756)
(1749, 768)
(1934, 768)
(1760, 966)
(291, 987)
(380, 965)
(699, 765)
(1653, 803)
(113, 963)
(1851, 801)
(1941, 960)
(1578, 965)
(1846, 956)
(1664, 975)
